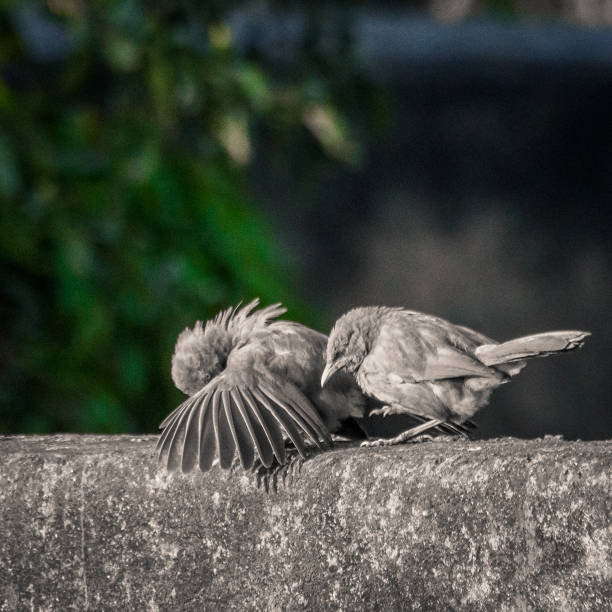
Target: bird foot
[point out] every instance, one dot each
(384, 411)
(401, 439)
(410, 434)
(451, 438)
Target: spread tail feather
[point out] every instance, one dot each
(537, 345)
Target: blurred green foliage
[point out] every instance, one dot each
(125, 129)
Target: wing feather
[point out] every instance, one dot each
(307, 411)
(174, 443)
(293, 411)
(170, 423)
(166, 438)
(207, 434)
(173, 415)
(245, 430)
(448, 362)
(191, 446)
(286, 423)
(243, 444)
(159, 447)
(261, 438)
(474, 336)
(223, 434)
(269, 426)
(227, 411)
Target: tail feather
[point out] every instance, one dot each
(537, 345)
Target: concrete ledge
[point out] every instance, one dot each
(88, 522)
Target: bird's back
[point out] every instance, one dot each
(297, 353)
(407, 341)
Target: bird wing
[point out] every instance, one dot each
(241, 410)
(449, 362)
(418, 348)
(474, 335)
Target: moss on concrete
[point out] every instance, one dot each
(89, 522)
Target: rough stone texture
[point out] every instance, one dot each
(89, 522)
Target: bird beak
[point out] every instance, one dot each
(330, 369)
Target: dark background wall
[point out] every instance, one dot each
(486, 201)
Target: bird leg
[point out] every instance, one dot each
(406, 435)
(453, 429)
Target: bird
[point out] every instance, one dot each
(424, 366)
(253, 382)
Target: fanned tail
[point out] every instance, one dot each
(537, 345)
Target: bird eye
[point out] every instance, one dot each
(207, 377)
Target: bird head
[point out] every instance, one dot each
(199, 355)
(347, 345)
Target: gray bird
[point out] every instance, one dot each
(422, 365)
(253, 382)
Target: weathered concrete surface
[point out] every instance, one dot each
(88, 522)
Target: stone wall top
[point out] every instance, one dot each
(90, 522)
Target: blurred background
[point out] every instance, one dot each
(161, 161)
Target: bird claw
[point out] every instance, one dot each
(372, 443)
(382, 411)
(421, 438)
(397, 440)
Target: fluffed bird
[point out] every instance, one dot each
(253, 382)
(425, 366)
